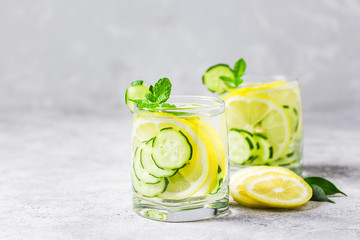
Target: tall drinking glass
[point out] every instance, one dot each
(264, 119)
(179, 160)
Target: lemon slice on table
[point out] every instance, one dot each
(237, 188)
(278, 190)
(259, 115)
(239, 179)
(191, 178)
(290, 191)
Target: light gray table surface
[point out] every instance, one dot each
(66, 175)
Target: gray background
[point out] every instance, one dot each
(83, 54)
(65, 131)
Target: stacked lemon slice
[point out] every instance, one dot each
(265, 187)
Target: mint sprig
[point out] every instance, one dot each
(238, 72)
(159, 94)
(322, 188)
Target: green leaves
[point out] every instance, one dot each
(328, 187)
(319, 195)
(322, 188)
(160, 93)
(239, 68)
(238, 71)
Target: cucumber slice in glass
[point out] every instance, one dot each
(171, 149)
(211, 78)
(140, 173)
(219, 180)
(148, 163)
(149, 190)
(264, 149)
(242, 147)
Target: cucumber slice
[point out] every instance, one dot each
(293, 118)
(137, 91)
(148, 163)
(290, 157)
(219, 180)
(212, 80)
(171, 149)
(283, 162)
(149, 190)
(140, 173)
(264, 149)
(242, 147)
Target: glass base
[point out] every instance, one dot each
(185, 213)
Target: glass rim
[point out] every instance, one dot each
(271, 77)
(194, 103)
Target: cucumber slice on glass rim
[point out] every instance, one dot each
(211, 78)
(137, 91)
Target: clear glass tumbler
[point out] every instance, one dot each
(264, 120)
(180, 164)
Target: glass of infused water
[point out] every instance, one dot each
(264, 116)
(179, 160)
(264, 120)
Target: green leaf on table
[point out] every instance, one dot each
(319, 195)
(328, 187)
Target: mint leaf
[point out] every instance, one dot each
(137, 82)
(157, 97)
(139, 101)
(168, 105)
(238, 81)
(162, 90)
(328, 187)
(226, 79)
(151, 88)
(148, 105)
(239, 68)
(319, 195)
(150, 97)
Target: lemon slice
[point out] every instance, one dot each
(218, 143)
(278, 190)
(237, 188)
(191, 178)
(249, 88)
(259, 115)
(216, 153)
(288, 97)
(238, 183)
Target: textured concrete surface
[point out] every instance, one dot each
(65, 175)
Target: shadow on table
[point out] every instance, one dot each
(238, 212)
